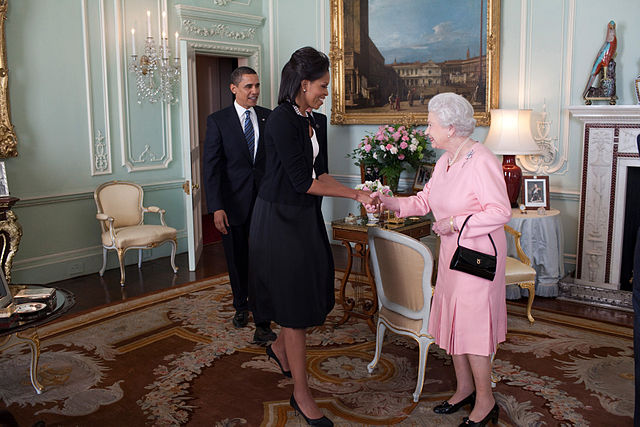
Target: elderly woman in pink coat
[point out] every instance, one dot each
(468, 314)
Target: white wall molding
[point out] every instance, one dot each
(606, 113)
(100, 139)
(556, 157)
(218, 16)
(135, 152)
(55, 199)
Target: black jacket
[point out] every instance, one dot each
(231, 179)
(290, 156)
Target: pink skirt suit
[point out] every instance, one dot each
(468, 313)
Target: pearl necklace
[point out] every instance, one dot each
(455, 155)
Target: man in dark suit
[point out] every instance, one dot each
(234, 163)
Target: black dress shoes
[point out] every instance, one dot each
(263, 335)
(322, 421)
(241, 318)
(492, 416)
(447, 408)
(273, 356)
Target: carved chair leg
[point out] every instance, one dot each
(104, 261)
(531, 287)
(174, 246)
(121, 261)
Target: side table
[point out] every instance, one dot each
(543, 242)
(360, 305)
(25, 331)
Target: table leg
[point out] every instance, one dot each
(369, 306)
(30, 336)
(347, 303)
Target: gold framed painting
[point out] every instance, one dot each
(386, 63)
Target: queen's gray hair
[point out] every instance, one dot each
(453, 110)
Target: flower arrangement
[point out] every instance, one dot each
(375, 186)
(391, 149)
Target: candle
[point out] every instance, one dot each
(164, 45)
(176, 52)
(148, 23)
(164, 21)
(133, 41)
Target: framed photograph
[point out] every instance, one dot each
(423, 175)
(387, 61)
(535, 192)
(4, 187)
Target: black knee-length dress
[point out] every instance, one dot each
(291, 271)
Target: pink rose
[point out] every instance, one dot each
(405, 138)
(400, 156)
(389, 146)
(403, 145)
(401, 128)
(396, 136)
(367, 148)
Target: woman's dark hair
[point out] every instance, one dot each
(306, 63)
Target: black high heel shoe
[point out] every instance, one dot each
(491, 416)
(272, 355)
(447, 408)
(322, 422)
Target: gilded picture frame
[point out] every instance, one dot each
(372, 88)
(8, 139)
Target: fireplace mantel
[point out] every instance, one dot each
(609, 148)
(606, 113)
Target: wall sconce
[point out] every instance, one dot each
(157, 76)
(510, 135)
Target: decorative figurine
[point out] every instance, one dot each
(636, 86)
(523, 209)
(603, 71)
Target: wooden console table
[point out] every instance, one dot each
(364, 303)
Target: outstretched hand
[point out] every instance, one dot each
(388, 202)
(364, 197)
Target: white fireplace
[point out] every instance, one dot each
(609, 151)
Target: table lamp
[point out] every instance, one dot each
(510, 136)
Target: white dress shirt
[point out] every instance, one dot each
(254, 121)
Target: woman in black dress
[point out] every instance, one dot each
(291, 271)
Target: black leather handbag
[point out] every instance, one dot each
(473, 262)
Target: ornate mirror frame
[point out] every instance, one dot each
(8, 139)
(339, 113)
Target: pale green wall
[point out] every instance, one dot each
(547, 47)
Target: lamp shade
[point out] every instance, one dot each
(510, 133)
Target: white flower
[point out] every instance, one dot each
(375, 156)
(413, 148)
(394, 150)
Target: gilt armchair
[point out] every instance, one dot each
(519, 271)
(402, 269)
(121, 217)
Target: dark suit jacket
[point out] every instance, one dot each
(231, 178)
(290, 156)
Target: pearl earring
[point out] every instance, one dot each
(304, 90)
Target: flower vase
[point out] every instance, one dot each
(371, 218)
(392, 182)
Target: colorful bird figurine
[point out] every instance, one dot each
(605, 55)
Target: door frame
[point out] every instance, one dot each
(247, 54)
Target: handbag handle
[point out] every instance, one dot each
(495, 251)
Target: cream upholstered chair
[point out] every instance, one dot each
(121, 217)
(402, 269)
(519, 271)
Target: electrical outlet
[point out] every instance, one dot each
(76, 268)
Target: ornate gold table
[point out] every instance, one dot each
(25, 331)
(364, 301)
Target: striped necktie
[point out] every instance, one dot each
(249, 134)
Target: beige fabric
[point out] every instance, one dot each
(123, 202)
(401, 273)
(139, 235)
(398, 321)
(517, 272)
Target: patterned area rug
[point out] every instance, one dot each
(173, 358)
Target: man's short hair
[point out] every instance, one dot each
(236, 75)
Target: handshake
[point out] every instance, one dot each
(373, 202)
